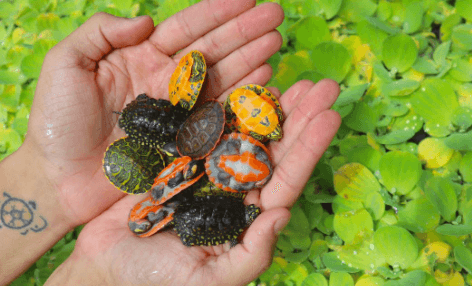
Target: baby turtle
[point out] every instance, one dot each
(176, 177)
(213, 220)
(201, 132)
(150, 121)
(239, 164)
(131, 166)
(187, 80)
(253, 110)
(146, 218)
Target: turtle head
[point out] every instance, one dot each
(252, 211)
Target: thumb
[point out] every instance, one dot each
(100, 34)
(253, 256)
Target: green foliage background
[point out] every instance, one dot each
(390, 202)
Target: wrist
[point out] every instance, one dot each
(31, 219)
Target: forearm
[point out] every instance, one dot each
(31, 219)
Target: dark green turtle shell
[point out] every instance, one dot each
(150, 121)
(213, 220)
(131, 166)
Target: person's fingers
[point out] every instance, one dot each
(231, 70)
(183, 28)
(97, 37)
(294, 168)
(247, 27)
(300, 108)
(249, 259)
(260, 76)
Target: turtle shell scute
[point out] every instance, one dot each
(201, 132)
(132, 167)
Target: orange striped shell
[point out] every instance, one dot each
(253, 110)
(187, 80)
(239, 163)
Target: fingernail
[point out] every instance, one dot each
(280, 224)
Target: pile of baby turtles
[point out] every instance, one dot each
(196, 163)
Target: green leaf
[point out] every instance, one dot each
(441, 52)
(448, 24)
(372, 36)
(413, 17)
(366, 156)
(331, 60)
(330, 7)
(382, 26)
(461, 70)
(8, 77)
(459, 141)
(332, 262)
(351, 94)
(400, 87)
(395, 60)
(290, 67)
(31, 66)
(400, 171)
(457, 230)
(122, 4)
(466, 167)
(10, 97)
(415, 277)
(315, 279)
(462, 36)
(20, 123)
(363, 118)
(341, 205)
(375, 205)
(435, 101)
(355, 10)
(39, 5)
(363, 255)
(442, 195)
(434, 152)
(352, 226)
(397, 245)
(310, 75)
(425, 65)
(463, 256)
(419, 215)
(340, 279)
(311, 31)
(354, 181)
(464, 8)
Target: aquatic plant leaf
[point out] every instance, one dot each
(354, 181)
(397, 245)
(434, 152)
(353, 225)
(395, 60)
(332, 60)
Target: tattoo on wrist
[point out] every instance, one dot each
(18, 214)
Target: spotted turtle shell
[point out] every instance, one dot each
(254, 110)
(213, 220)
(187, 80)
(239, 164)
(146, 218)
(201, 132)
(132, 167)
(152, 122)
(176, 177)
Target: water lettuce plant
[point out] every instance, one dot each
(390, 202)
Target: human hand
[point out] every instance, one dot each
(110, 253)
(108, 61)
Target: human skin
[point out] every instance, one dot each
(98, 69)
